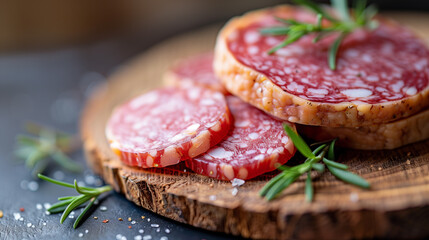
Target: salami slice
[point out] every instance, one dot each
(256, 144)
(381, 76)
(167, 125)
(374, 137)
(194, 71)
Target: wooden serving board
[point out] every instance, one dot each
(397, 205)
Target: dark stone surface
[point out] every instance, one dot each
(51, 88)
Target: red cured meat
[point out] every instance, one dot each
(378, 66)
(194, 71)
(381, 76)
(167, 125)
(255, 145)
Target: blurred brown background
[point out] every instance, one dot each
(51, 23)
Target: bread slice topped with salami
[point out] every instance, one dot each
(381, 74)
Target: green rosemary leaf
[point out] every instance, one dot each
(331, 152)
(293, 37)
(287, 21)
(318, 149)
(34, 157)
(27, 141)
(39, 167)
(349, 177)
(60, 206)
(65, 198)
(271, 183)
(335, 164)
(342, 9)
(299, 143)
(281, 185)
(83, 190)
(65, 161)
(61, 183)
(309, 191)
(359, 6)
(318, 167)
(81, 199)
(82, 214)
(275, 31)
(333, 50)
(316, 8)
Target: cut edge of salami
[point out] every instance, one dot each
(200, 140)
(256, 89)
(374, 137)
(259, 158)
(174, 76)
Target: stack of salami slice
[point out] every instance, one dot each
(223, 113)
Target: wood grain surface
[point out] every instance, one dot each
(396, 206)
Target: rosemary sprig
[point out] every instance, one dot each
(45, 145)
(324, 153)
(69, 203)
(362, 17)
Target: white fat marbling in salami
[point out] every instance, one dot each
(256, 144)
(165, 126)
(194, 71)
(382, 75)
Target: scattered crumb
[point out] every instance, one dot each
(129, 219)
(354, 197)
(95, 218)
(120, 219)
(1, 213)
(380, 168)
(22, 209)
(408, 154)
(211, 185)
(408, 162)
(106, 221)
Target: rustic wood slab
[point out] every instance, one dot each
(397, 205)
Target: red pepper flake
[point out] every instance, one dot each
(22, 209)
(106, 221)
(129, 227)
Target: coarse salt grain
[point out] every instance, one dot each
(354, 197)
(21, 219)
(234, 191)
(163, 238)
(44, 223)
(46, 205)
(138, 237)
(141, 231)
(28, 224)
(158, 230)
(212, 197)
(237, 182)
(154, 225)
(133, 222)
(103, 208)
(17, 216)
(80, 235)
(86, 230)
(47, 213)
(33, 186)
(147, 237)
(39, 206)
(167, 230)
(148, 219)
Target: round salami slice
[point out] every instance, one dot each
(167, 125)
(194, 71)
(374, 137)
(256, 144)
(381, 76)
